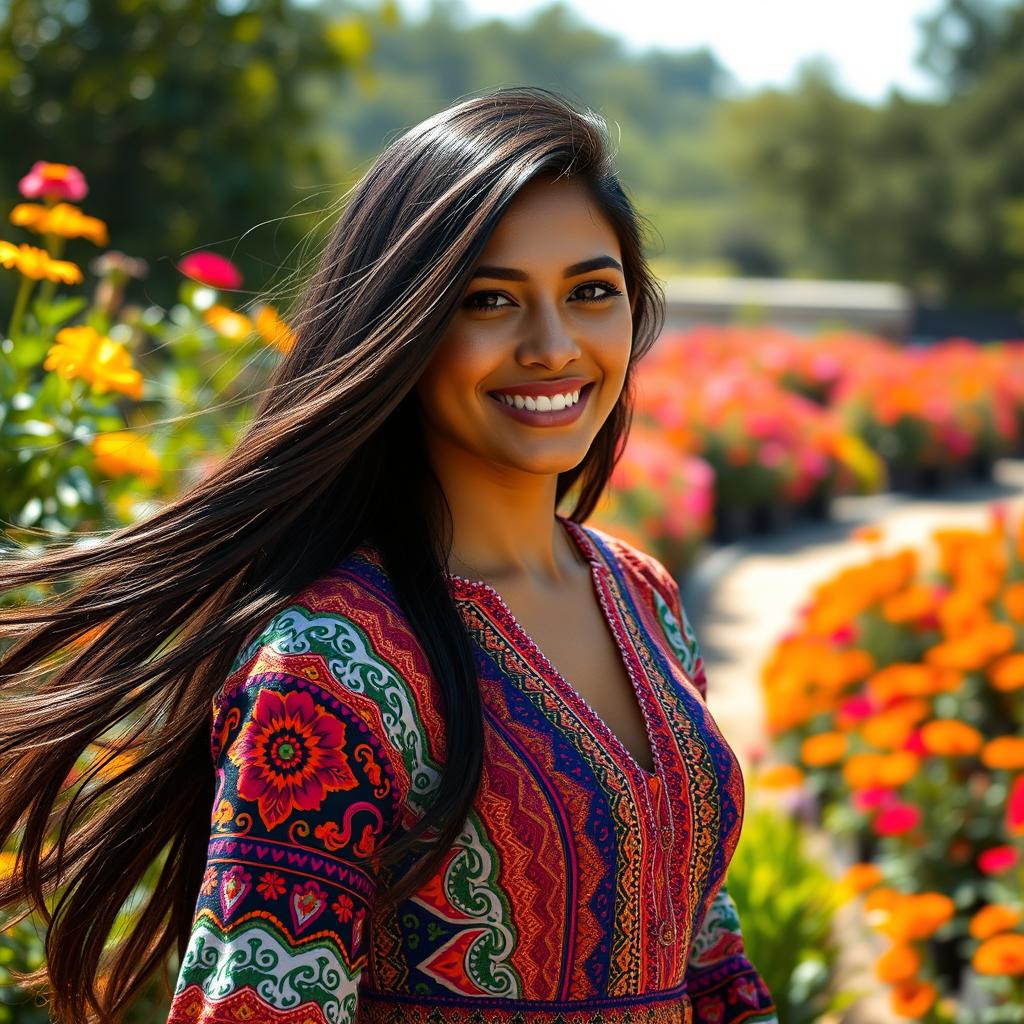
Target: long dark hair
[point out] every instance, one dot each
(159, 609)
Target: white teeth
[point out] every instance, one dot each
(542, 403)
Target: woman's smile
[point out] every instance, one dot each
(537, 410)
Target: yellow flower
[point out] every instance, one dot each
(37, 264)
(83, 352)
(227, 323)
(274, 330)
(64, 220)
(7, 864)
(122, 453)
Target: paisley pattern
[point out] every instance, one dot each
(582, 889)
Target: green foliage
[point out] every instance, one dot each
(782, 891)
(188, 119)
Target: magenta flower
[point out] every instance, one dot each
(873, 798)
(291, 753)
(997, 859)
(211, 269)
(54, 181)
(1015, 807)
(897, 819)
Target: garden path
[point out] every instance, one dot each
(743, 597)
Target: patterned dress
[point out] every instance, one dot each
(583, 889)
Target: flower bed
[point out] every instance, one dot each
(897, 704)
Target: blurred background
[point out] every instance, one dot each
(828, 451)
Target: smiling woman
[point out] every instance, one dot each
(402, 741)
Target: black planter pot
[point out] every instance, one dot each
(731, 523)
(817, 508)
(771, 517)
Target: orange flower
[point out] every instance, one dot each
(274, 330)
(960, 611)
(902, 679)
(824, 749)
(1001, 954)
(888, 730)
(780, 776)
(993, 919)
(861, 877)
(227, 323)
(869, 771)
(869, 534)
(882, 900)
(1006, 752)
(122, 453)
(1007, 673)
(918, 916)
(912, 604)
(897, 964)
(965, 652)
(37, 264)
(1013, 601)
(83, 352)
(949, 737)
(912, 999)
(64, 220)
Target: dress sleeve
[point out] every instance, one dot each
(305, 784)
(723, 985)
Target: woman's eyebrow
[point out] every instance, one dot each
(583, 267)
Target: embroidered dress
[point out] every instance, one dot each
(583, 889)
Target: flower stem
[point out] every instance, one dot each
(20, 302)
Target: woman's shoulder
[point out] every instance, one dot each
(342, 642)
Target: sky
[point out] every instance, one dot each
(871, 43)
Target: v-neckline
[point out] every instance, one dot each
(598, 570)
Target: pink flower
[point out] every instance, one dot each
(915, 744)
(997, 859)
(1015, 807)
(53, 181)
(873, 798)
(897, 819)
(844, 635)
(211, 269)
(857, 707)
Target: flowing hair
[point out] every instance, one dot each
(143, 639)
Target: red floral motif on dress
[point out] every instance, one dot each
(291, 754)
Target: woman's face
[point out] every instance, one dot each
(533, 314)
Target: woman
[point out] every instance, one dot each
(408, 744)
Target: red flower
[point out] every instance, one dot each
(874, 797)
(211, 269)
(997, 859)
(291, 754)
(271, 885)
(896, 820)
(53, 181)
(1015, 807)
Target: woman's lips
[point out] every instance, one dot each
(553, 418)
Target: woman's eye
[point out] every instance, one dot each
(609, 290)
(473, 301)
(479, 300)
